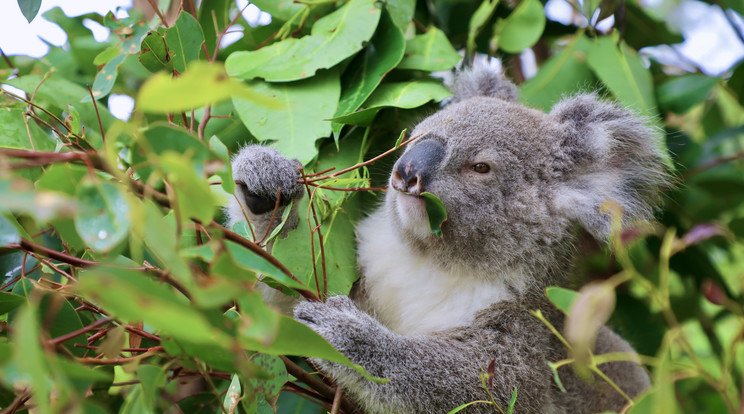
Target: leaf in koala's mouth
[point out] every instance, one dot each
(435, 211)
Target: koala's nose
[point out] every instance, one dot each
(412, 172)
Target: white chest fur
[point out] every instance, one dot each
(411, 295)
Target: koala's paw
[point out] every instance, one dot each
(341, 323)
(259, 172)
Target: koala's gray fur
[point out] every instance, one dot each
(429, 313)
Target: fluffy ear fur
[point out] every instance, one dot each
(483, 81)
(607, 153)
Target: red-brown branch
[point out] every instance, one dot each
(120, 361)
(236, 238)
(95, 325)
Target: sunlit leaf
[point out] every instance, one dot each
(163, 93)
(333, 38)
(399, 95)
(431, 51)
(184, 39)
(383, 53)
(300, 118)
(522, 28)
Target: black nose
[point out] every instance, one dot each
(412, 173)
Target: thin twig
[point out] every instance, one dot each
(120, 361)
(58, 340)
(98, 116)
(337, 400)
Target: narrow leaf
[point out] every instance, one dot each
(436, 212)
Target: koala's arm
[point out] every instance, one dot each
(262, 174)
(436, 373)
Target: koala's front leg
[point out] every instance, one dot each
(261, 175)
(427, 373)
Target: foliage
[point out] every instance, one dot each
(121, 292)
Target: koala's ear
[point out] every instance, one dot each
(483, 81)
(606, 153)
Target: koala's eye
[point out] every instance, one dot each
(481, 168)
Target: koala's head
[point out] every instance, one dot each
(517, 182)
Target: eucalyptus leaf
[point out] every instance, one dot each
(184, 39)
(104, 221)
(14, 134)
(435, 211)
(383, 53)
(29, 8)
(621, 70)
(562, 74)
(399, 95)
(431, 51)
(163, 93)
(154, 53)
(522, 28)
(562, 298)
(681, 94)
(299, 120)
(333, 38)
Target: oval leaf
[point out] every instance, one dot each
(104, 221)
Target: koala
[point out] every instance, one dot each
(431, 313)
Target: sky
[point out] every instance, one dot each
(711, 43)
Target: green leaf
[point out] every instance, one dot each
(213, 16)
(225, 174)
(133, 295)
(9, 301)
(273, 366)
(184, 39)
(401, 11)
(232, 397)
(621, 70)
(512, 402)
(163, 93)
(59, 92)
(73, 121)
(194, 199)
(255, 263)
(106, 55)
(680, 94)
(106, 78)
(9, 229)
(29, 8)
(522, 28)
(301, 117)
(152, 379)
(479, 18)
(311, 345)
(562, 298)
(400, 95)
(562, 74)
(383, 53)
(159, 235)
(13, 133)
(104, 221)
(430, 52)
(436, 212)
(62, 177)
(20, 196)
(30, 356)
(333, 38)
(154, 53)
